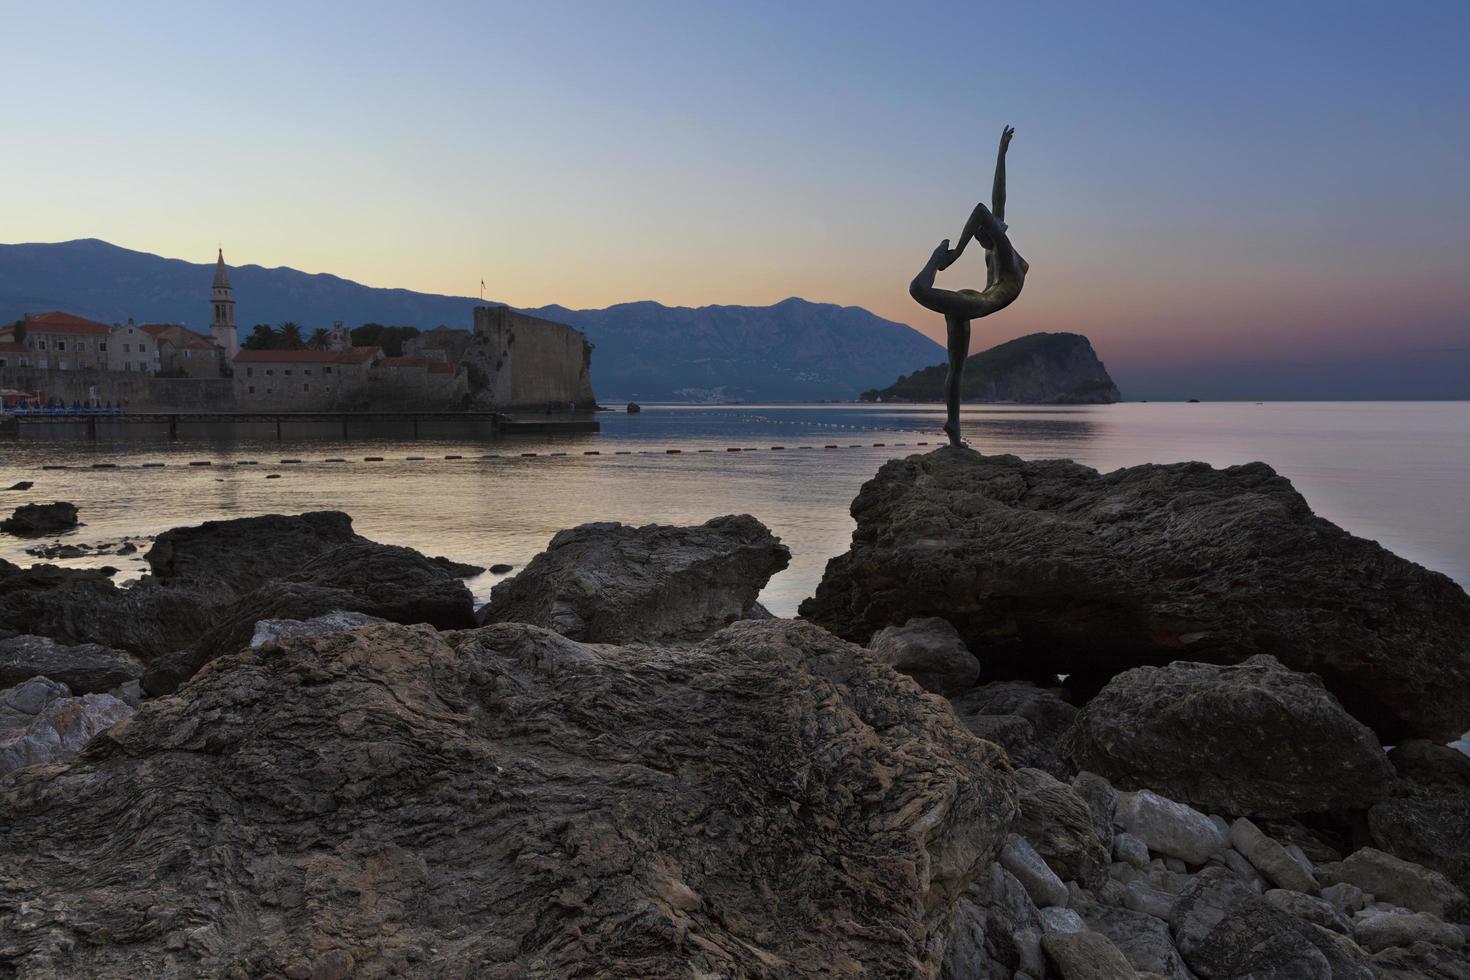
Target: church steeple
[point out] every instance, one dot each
(222, 320)
(221, 274)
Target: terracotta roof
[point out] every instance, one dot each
(440, 367)
(405, 362)
(178, 335)
(357, 355)
(58, 322)
(11, 347)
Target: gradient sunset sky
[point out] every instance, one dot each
(1208, 191)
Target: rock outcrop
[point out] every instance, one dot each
(85, 668)
(1050, 567)
(1046, 368)
(1253, 739)
(500, 802)
(929, 651)
(234, 556)
(57, 729)
(613, 583)
(1027, 721)
(33, 520)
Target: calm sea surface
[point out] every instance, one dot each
(1396, 472)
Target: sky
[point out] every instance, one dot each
(1223, 197)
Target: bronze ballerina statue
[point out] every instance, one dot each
(1005, 274)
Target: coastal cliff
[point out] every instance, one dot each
(1039, 368)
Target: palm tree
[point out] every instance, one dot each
(320, 337)
(291, 336)
(262, 337)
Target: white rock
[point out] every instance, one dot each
(60, 729)
(1392, 879)
(1346, 897)
(1128, 848)
(276, 630)
(1377, 929)
(1041, 883)
(1054, 918)
(1169, 828)
(1270, 858)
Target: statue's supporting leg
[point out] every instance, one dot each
(958, 330)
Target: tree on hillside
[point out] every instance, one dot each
(262, 337)
(290, 336)
(320, 337)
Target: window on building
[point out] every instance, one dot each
(102, 345)
(2, 362)
(142, 365)
(268, 371)
(288, 372)
(127, 348)
(326, 370)
(252, 389)
(61, 345)
(250, 373)
(40, 345)
(306, 371)
(306, 387)
(127, 365)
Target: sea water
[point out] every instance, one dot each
(1395, 472)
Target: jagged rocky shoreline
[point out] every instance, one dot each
(1037, 723)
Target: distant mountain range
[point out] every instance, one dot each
(792, 351)
(1039, 368)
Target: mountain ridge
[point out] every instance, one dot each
(794, 350)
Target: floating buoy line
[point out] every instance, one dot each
(460, 457)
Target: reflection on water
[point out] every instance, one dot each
(1394, 472)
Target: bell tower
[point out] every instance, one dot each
(222, 320)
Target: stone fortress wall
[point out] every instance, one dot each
(520, 361)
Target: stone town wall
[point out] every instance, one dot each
(297, 387)
(519, 361)
(139, 392)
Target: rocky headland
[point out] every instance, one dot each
(1039, 368)
(1038, 723)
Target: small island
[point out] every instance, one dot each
(1039, 368)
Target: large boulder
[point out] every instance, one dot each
(1050, 567)
(234, 556)
(614, 583)
(396, 583)
(1393, 879)
(1428, 825)
(85, 668)
(504, 802)
(1225, 931)
(33, 520)
(79, 606)
(1252, 738)
(929, 651)
(1169, 828)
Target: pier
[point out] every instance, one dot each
(499, 421)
